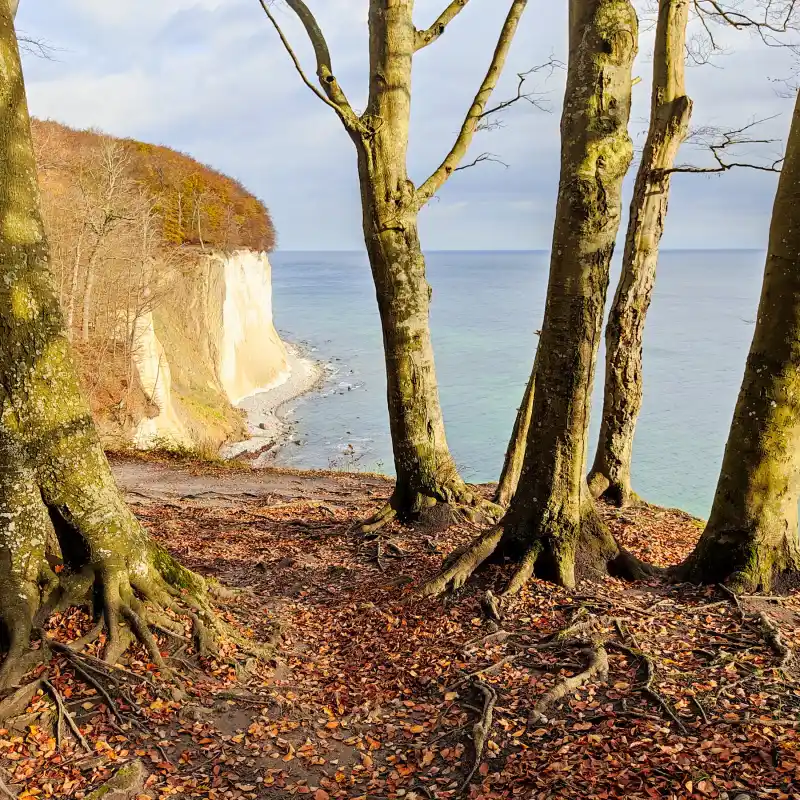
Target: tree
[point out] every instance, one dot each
(610, 475)
(670, 111)
(426, 472)
(54, 476)
(515, 454)
(551, 525)
(751, 539)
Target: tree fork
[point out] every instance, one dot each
(427, 476)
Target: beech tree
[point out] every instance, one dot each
(58, 499)
(551, 525)
(670, 111)
(751, 539)
(391, 202)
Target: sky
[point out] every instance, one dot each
(210, 78)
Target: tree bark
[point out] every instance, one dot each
(73, 290)
(610, 476)
(751, 539)
(88, 292)
(53, 472)
(426, 472)
(551, 526)
(515, 454)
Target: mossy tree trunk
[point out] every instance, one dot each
(551, 526)
(751, 539)
(426, 473)
(610, 476)
(54, 475)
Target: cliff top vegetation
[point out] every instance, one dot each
(196, 204)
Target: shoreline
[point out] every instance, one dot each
(268, 425)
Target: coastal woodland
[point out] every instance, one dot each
(178, 627)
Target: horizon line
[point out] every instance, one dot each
(523, 250)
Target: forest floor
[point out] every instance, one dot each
(376, 693)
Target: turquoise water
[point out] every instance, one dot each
(486, 307)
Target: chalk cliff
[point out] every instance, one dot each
(210, 343)
(161, 270)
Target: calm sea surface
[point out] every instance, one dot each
(486, 307)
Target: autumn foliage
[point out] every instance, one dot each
(197, 205)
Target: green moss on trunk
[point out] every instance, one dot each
(751, 539)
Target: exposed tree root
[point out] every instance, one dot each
(6, 792)
(596, 667)
(647, 687)
(481, 729)
(775, 640)
(435, 508)
(555, 552)
(458, 568)
(771, 632)
(614, 492)
(129, 603)
(64, 715)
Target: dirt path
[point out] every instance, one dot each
(158, 481)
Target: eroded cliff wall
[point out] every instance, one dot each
(211, 342)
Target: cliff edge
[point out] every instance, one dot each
(162, 270)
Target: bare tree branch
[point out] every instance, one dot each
(333, 95)
(481, 159)
(477, 109)
(718, 142)
(429, 36)
(40, 48)
(770, 20)
(778, 16)
(532, 97)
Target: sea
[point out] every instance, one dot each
(486, 308)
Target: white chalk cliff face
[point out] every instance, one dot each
(156, 379)
(252, 356)
(238, 335)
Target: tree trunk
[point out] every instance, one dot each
(53, 471)
(751, 539)
(671, 109)
(551, 526)
(515, 455)
(426, 472)
(88, 289)
(73, 290)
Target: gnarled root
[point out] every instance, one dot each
(559, 551)
(459, 567)
(596, 667)
(130, 602)
(617, 493)
(434, 508)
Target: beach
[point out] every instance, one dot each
(267, 423)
